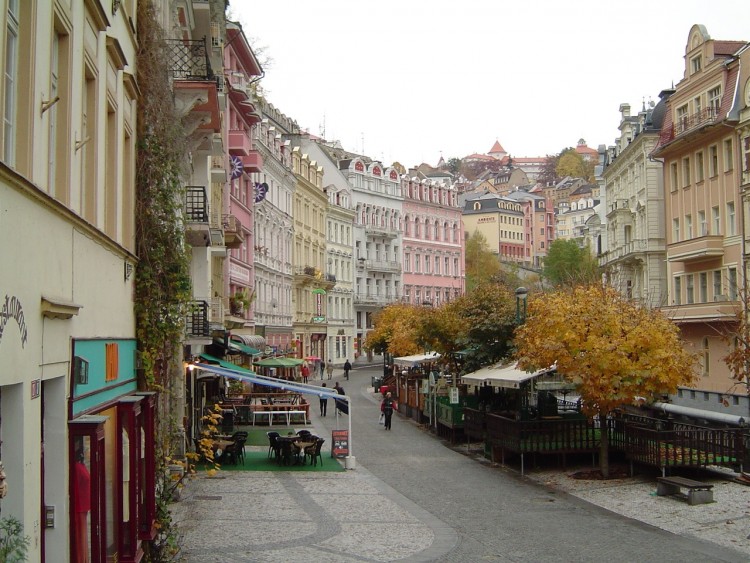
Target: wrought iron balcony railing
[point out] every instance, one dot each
(196, 322)
(686, 123)
(196, 204)
(189, 59)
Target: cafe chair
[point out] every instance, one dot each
(273, 444)
(240, 434)
(314, 452)
(235, 451)
(304, 434)
(286, 452)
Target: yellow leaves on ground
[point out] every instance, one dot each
(613, 349)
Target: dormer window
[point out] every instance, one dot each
(696, 64)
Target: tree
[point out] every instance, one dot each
(613, 350)
(737, 338)
(570, 163)
(488, 320)
(482, 264)
(548, 173)
(454, 165)
(396, 330)
(569, 264)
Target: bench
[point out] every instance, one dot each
(697, 492)
(287, 413)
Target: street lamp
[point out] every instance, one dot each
(521, 294)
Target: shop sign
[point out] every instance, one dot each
(12, 309)
(454, 395)
(340, 443)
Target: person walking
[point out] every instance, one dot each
(329, 368)
(322, 368)
(323, 404)
(386, 407)
(341, 405)
(347, 369)
(305, 373)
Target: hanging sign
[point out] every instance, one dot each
(260, 191)
(237, 167)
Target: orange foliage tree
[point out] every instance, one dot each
(613, 350)
(396, 330)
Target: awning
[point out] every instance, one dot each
(225, 364)
(508, 377)
(416, 360)
(279, 362)
(322, 392)
(235, 346)
(252, 340)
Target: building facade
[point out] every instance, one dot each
(635, 259)
(699, 148)
(502, 222)
(433, 267)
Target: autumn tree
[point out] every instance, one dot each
(737, 339)
(482, 264)
(396, 330)
(454, 165)
(611, 349)
(570, 163)
(548, 172)
(567, 263)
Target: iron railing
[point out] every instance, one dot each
(196, 204)
(196, 322)
(189, 59)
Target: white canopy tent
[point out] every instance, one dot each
(508, 377)
(322, 392)
(416, 360)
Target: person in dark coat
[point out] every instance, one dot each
(386, 407)
(347, 368)
(341, 405)
(323, 404)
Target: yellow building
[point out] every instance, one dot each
(501, 221)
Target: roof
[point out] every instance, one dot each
(508, 377)
(496, 148)
(416, 359)
(728, 48)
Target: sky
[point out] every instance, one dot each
(412, 80)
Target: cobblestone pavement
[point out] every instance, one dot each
(411, 498)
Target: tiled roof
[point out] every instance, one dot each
(497, 147)
(726, 48)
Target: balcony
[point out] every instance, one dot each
(216, 313)
(687, 124)
(374, 300)
(218, 170)
(701, 312)
(240, 143)
(382, 266)
(233, 235)
(696, 249)
(309, 275)
(188, 59)
(197, 226)
(196, 321)
(381, 232)
(253, 162)
(619, 206)
(630, 251)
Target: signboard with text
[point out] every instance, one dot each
(339, 443)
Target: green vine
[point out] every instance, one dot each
(162, 281)
(13, 544)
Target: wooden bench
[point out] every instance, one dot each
(697, 492)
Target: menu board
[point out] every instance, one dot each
(340, 443)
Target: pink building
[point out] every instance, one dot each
(433, 269)
(241, 69)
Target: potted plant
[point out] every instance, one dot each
(239, 302)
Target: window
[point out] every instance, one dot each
(746, 153)
(714, 101)
(717, 284)
(407, 261)
(685, 172)
(675, 230)
(732, 282)
(682, 119)
(674, 184)
(731, 230)
(690, 298)
(695, 64)
(418, 264)
(699, 167)
(10, 83)
(716, 220)
(713, 161)
(437, 264)
(702, 224)
(703, 289)
(728, 156)
(426, 264)
(697, 106)
(688, 227)
(677, 297)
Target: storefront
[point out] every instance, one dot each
(112, 464)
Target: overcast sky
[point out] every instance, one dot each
(410, 80)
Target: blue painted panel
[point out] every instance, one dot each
(98, 391)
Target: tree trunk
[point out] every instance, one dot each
(604, 445)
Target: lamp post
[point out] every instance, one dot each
(521, 294)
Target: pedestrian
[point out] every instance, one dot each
(323, 404)
(322, 369)
(386, 407)
(329, 368)
(341, 405)
(347, 368)
(305, 373)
